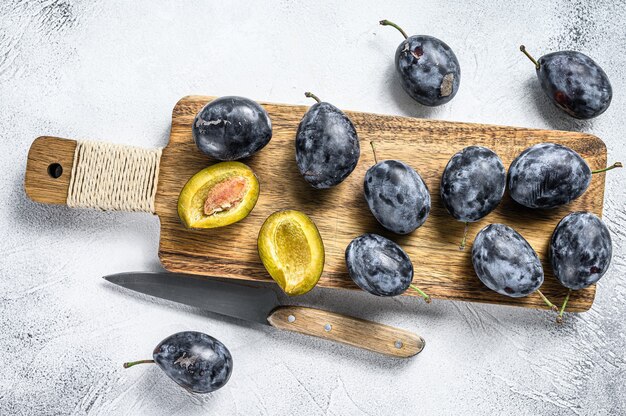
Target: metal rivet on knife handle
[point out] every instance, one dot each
(291, 318)
(327, 327)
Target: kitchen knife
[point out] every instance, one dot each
(253, 301)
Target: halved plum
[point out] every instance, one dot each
(219, 195)
(292, 251)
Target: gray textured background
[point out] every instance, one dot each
(113, 71)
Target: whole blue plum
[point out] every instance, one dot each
(580, 250)
(196, 361)
(429, 70)
(327, 146)
(397, 196)
(505, 262)
(378, 265)
(231, 128)
(472, 184)
(547, 175)
(574, 82)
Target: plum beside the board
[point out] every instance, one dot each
(428, 68)
(196, 361)
(573, 82)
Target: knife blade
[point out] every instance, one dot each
(256, 302)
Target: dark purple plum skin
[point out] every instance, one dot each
(378, 265)
(429, 71)
(575, 83)
(505, 262)
(397, 196)
(231, 128)
(580, 250)
(472, 184)
(196, 361)
(327, 146)
(547, 175)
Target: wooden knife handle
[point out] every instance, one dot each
(90, 174)
(357, 332)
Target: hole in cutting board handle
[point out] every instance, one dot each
(55, 170)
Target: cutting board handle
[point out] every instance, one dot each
(88, 174)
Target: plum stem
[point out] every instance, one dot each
(533, 60)
(464, 240)
(132, 363)
(550, 304)
(613, 166)
(374, 150)
(421, 292)
(311, 95)
(559, 319)
(386, 22)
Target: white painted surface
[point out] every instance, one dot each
(113, 71)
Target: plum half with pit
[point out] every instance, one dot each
(580, 251)
(396, 195)
(196, 361)
(548, 175)
(231, 128)
(380, 266)
(428, 68)
(573, 82)
(472, 185)
(327, 145)
(219, 195)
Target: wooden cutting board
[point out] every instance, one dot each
(341, 214)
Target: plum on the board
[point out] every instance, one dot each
(378, 265)
(327, 146)
(547, 175)
(397, 196)
(472, 184)
(219, 195)
(292, 251)
(231, 128)
(580, 250)
(505, 262)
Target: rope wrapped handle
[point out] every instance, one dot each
(91, 174)
(113, 177)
